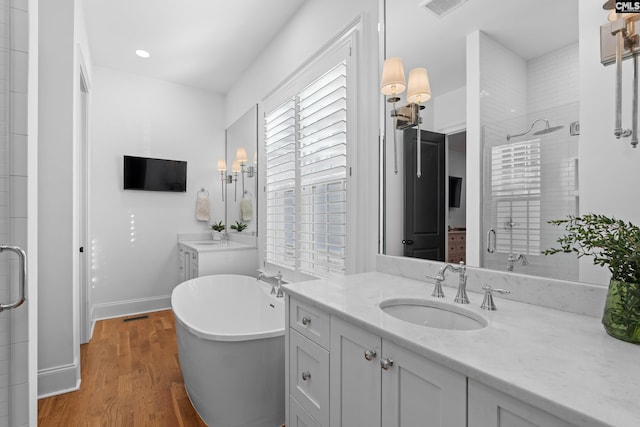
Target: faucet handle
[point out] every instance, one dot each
(437, 289)
(487, 301)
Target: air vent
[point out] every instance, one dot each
(441, 7)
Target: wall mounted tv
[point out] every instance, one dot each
(143, 173)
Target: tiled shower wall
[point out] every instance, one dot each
(553, 79)
(503, 82)
(13, 207)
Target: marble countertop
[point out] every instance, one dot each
(214, 245)
(560, 362)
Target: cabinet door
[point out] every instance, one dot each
(355, 376)
(418, 392)
(194, 271)
(309, 376)
(491, 408)
(183, 270)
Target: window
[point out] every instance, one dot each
(306, 169)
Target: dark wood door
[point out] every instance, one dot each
(424, 197)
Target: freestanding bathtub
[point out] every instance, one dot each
(231, 349)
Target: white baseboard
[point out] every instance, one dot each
(58, 380)
(130, 307)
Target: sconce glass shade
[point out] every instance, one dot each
(419, 89)
(393, 81)
(255, 157)
(222, 165)
(241, 155)
(236, 166)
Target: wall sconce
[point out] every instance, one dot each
(392, 84)
(619, 41)
(236, 170)
(222, 167)
(242, 159)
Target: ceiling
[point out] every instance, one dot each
(206, 44)
(529, 28)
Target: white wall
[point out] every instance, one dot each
(609, 169)
(58, 366)
(134, 233)
(450, 111)
(310, 29)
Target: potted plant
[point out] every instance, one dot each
(217, 229)
(239, 226)
(614, 244)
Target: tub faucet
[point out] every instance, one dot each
(276, 288)
(461, 296)
(513, 258)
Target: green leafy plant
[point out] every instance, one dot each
(239, 226)
(614, 244)
(219, 226)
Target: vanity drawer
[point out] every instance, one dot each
(309, 376)
(310, 322)
(298, 417)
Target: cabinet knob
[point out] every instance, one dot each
(370, 355)
(306, 321)
(306, 375)
(386, 363)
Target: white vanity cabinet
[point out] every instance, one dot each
(308, 364)
(362, 379)
(188, 258)
(204, 258)
(491, 408)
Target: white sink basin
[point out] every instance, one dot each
(434, 314)
(207, 243)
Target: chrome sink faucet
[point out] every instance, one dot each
(513, 258)
(461, 296)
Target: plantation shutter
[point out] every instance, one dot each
(280, 147)
(516, 188)
(306, 144)
(322, 156)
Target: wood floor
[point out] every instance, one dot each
(130, 377)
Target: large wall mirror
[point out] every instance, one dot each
(242, 166)
(521, 171)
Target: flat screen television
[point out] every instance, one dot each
(143, 173)
(455, 191)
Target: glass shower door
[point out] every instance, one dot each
(528, 180)
(14, 337)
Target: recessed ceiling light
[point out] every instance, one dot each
(142, 53)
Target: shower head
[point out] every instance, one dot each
(547, 129)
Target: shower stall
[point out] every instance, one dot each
(530, 176)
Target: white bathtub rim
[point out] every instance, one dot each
(236, 336)
(206, 335)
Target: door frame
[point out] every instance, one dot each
(32, 211)
(83, 171)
